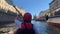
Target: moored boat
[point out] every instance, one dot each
(54, 20)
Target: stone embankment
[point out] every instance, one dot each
(7, 28)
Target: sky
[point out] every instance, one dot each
(33, 6)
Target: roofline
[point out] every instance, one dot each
(51, 2)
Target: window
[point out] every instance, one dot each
(11, 13)
(57, 13)
(56, 4)
(2, 11)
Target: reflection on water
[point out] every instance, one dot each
(44, 28)
(53, 30)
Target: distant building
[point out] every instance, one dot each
(54, 7)
(42, 13)
(45, 12)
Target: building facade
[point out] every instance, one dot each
(6, 5)
(45, 12)
(8, 12)
(54, 6)
(9, 2)
(22, 11)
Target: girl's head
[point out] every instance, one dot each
(27, 17)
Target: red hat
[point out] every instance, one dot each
(27, 16)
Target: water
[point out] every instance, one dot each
(44, 28)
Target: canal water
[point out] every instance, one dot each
(42, 27)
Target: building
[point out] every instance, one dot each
(54, 7)
(9, 6)
(42, 15)
(22, 11)
(9, 2)
(45, 12)
(4, 4)
(8, 12)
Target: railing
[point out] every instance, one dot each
(48, 17)
(54, 16)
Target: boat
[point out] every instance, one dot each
(54, 20)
